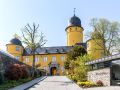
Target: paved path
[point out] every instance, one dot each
(56, 83)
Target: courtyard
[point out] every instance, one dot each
(56, 83)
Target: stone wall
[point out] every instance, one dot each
(7, 59)
(100, 74)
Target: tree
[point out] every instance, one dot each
(80, 70)
(108, 32)
(75, 52)
(33, 40)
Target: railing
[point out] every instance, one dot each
(107, 58)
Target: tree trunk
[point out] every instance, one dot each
(33, 65)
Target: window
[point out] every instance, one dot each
(76, 28)
(17, 48)
(26, 59)
(62, 58)
(45, 59)
(62, 68)
(17, 57)
(36, 59)
(45, 68)
(53, 59)
(95, 66)
(107, 64)
(100, 65)
(87, 44)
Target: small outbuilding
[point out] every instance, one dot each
(106, 70)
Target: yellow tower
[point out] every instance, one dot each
(15, 48)
(74, 31)
(95, 46)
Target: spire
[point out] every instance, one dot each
(16, 36)
(74, 11)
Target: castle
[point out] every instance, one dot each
(52, 59)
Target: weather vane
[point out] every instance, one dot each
(74, 11)
(16, 36)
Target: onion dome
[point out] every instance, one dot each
(16, 41)
(74, 21)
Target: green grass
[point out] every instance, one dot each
(12, 83)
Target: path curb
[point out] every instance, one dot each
(27, 85)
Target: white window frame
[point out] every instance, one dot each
(62, 68)
(45, 67)
(26, 59)
(36, 59)
(45, 59)
(62, 58)
(53, 59)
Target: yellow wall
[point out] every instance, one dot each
(94, 48)
(46, 63)
(74, 35)
(12, 50)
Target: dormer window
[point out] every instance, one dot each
(57, 50)
(63, 50)
(46, 51)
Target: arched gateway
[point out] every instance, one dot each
(54, 68)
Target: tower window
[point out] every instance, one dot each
(70, 29)
(76, 28)
(17, 48)
(87, 45)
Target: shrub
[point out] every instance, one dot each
(16, 71)
(73, 77)
(24, 71)
(86, 84)
(99, 83)
(1, 78)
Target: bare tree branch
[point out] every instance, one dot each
(33, 40)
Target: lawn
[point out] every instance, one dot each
(12, 83)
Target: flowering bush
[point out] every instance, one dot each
(24, 71)
(86, 84)
(16, 71)
(100, 83)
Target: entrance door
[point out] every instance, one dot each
(53, 71)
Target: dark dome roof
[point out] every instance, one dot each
(16, 41)
(75, 21)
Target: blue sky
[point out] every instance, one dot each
(52, 16)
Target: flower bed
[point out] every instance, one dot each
(88, 84)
